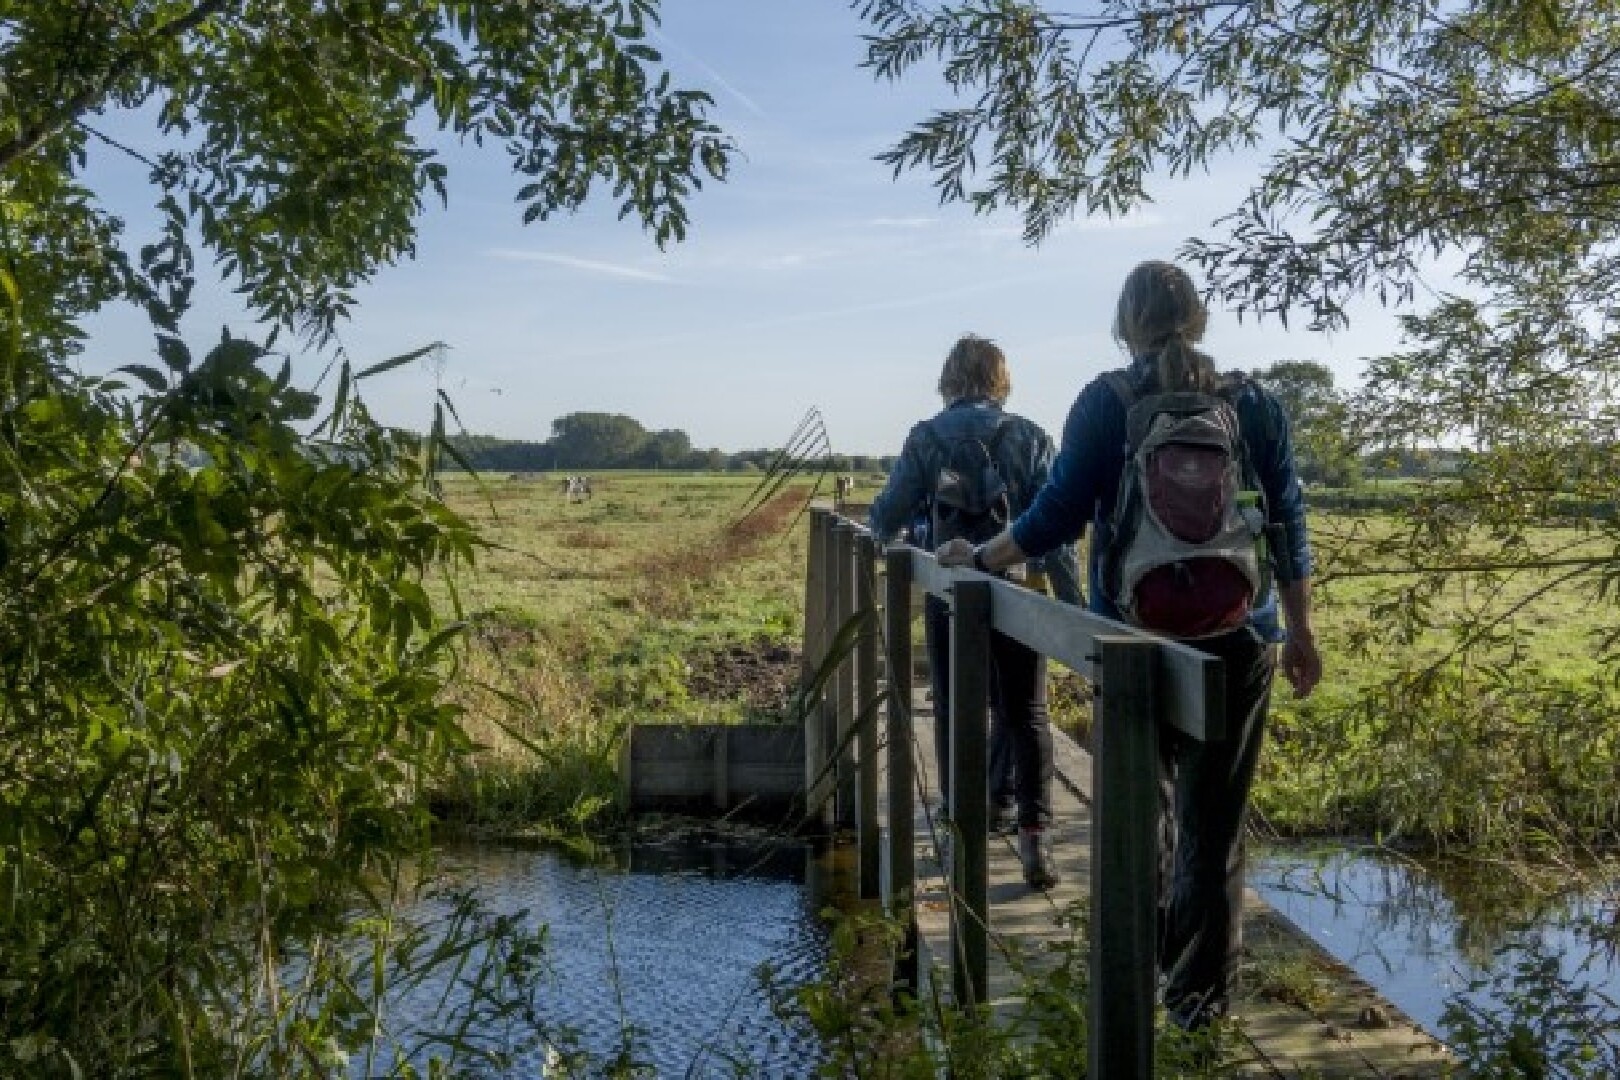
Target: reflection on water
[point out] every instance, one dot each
(1429, 937)
(655, 958)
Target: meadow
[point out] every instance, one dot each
(658, 600)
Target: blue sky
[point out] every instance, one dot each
(810, 278)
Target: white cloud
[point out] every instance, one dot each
(588, 265)
(901, 222)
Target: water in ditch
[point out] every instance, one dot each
(1468, 951)
(654, 958)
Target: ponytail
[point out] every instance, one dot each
(1159, 317)
(1179, 366)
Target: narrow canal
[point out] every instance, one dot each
(654, 958)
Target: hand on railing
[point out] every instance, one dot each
(955, 553)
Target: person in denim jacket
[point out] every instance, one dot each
(974, 385)
(1204, 786)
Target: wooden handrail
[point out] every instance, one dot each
(1143, 683)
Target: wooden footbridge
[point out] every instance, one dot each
(979, 929)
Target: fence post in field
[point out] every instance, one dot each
(1124, 858)
(969, 795)
(844, 730)
(866, 710)
(817, 785)
(902, 780)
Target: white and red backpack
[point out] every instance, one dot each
(1185, 557)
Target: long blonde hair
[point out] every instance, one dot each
(976, 367)
(1159, 318)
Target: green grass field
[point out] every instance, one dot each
(657, 601)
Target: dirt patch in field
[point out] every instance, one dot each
(760, 673)
(590, 540)
(665, 580)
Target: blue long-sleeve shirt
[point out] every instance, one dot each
(1027, 453)
(1083, 486)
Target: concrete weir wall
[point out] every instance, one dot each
(725, 768)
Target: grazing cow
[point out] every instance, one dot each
(577, 488)
(843, 488)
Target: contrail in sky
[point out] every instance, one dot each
(610, 269)
(719, 80)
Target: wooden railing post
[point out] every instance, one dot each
(815, 598)
(828, 718)
(902, 877)
(866, 705)
(817, 606)
(844, 703)
(1144, 683)
(970, 697)
(1124, 859)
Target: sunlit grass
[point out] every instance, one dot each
(591, 615)
(586, 616)
(1493, 728)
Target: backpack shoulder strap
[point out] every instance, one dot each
(1238, 389)
(1003, 425)
(1243, 388)
(1119, 380)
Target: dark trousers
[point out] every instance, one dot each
(1204, 799)
(1020, 728)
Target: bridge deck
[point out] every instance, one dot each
(1356, 1033)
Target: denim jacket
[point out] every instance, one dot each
(902, 508)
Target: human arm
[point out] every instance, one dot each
(1060, 567)
(1285, 502)
(1301, 663)
(1079, 474)
(897, 504)
(1273, 457)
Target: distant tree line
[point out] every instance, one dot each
(1329, 455)
(595, 440)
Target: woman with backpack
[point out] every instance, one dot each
(1155, 459)
(966, 472)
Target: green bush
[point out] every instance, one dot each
(223, 693)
